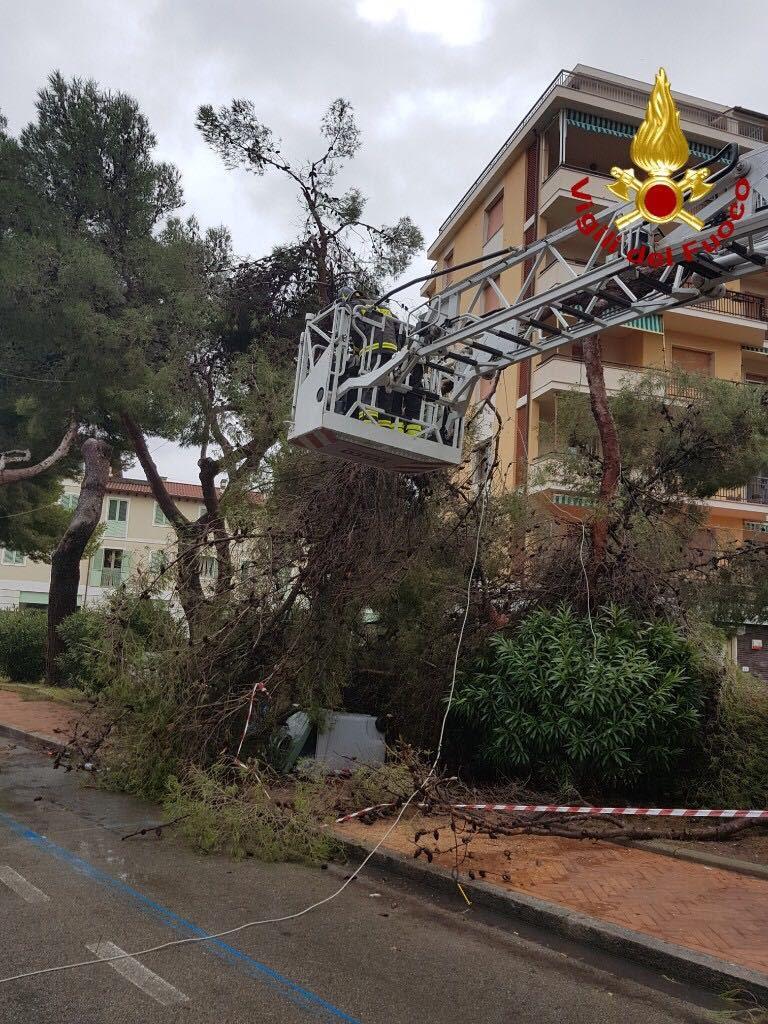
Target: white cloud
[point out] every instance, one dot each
(454, 22)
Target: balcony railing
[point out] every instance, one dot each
(639, 98)
(754, 492)
(111, 577)
(744, 304)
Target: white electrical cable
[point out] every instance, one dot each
(356, 872)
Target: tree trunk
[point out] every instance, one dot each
(190, 536)
(609, 441)
(65, 564)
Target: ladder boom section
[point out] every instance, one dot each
(393, 392)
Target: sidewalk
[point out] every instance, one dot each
(705, 909)
(47, 721)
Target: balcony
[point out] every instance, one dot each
(564, 373)
(743, 304)
(558, 204)
(754, 492)
(110, 578)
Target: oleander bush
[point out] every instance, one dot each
(603, 702)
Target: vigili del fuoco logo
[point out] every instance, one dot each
(661, 150)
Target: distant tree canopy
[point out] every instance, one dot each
(337, 245)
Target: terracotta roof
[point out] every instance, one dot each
(192, 492)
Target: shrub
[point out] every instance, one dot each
(82, 664)
(737, 774)
(608, 702)
(23, 633)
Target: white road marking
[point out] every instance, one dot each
(139, 975)
(21, 886)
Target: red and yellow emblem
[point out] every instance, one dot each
(660, 148)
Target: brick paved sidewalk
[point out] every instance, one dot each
(45, 719)
(702, 908)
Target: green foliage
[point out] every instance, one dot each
(334, 223)
(31, 520)
(737, 772)
(223, 813)
(128, 630)
(83, 664)
(614, 702)
(712, 434)
(23, 634)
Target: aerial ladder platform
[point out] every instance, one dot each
(394, 392)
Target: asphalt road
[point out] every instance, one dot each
(71, 889)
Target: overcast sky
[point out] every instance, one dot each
(437, 84)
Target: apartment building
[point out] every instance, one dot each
(135, 535)
(583, 124)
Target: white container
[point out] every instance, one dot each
(349, 739)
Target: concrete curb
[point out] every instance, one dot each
(35, 739)
(711, 860)
(675, 961)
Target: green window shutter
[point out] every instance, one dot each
(97, 565)
(160, 517)
(158, 561)
(117, 518)
(126, 567)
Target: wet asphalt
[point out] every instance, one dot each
(382, 953)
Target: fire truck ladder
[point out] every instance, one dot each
(338, 395)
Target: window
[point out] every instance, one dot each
(69, 501)
(112, 567)
(160, 517)
(13, 557)
(491, 298)
(117, 517)
(448, 265)
(692, 361)
(494, 217)
(158, 561)
(756, 527)
(208, 566)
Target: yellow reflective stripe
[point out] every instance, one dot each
(381, 310)
(390, 346)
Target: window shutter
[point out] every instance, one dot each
(97, 566)
(125, 568)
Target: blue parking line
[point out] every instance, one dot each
(301, 997)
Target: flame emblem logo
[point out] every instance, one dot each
(660, 148)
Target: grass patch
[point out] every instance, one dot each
(39, 691)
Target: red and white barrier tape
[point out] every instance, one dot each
(365, 810)
(650, 812)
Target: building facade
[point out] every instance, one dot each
(135, 535)
(582, 125)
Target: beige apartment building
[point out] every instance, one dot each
(136, 535)
(582, 125)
